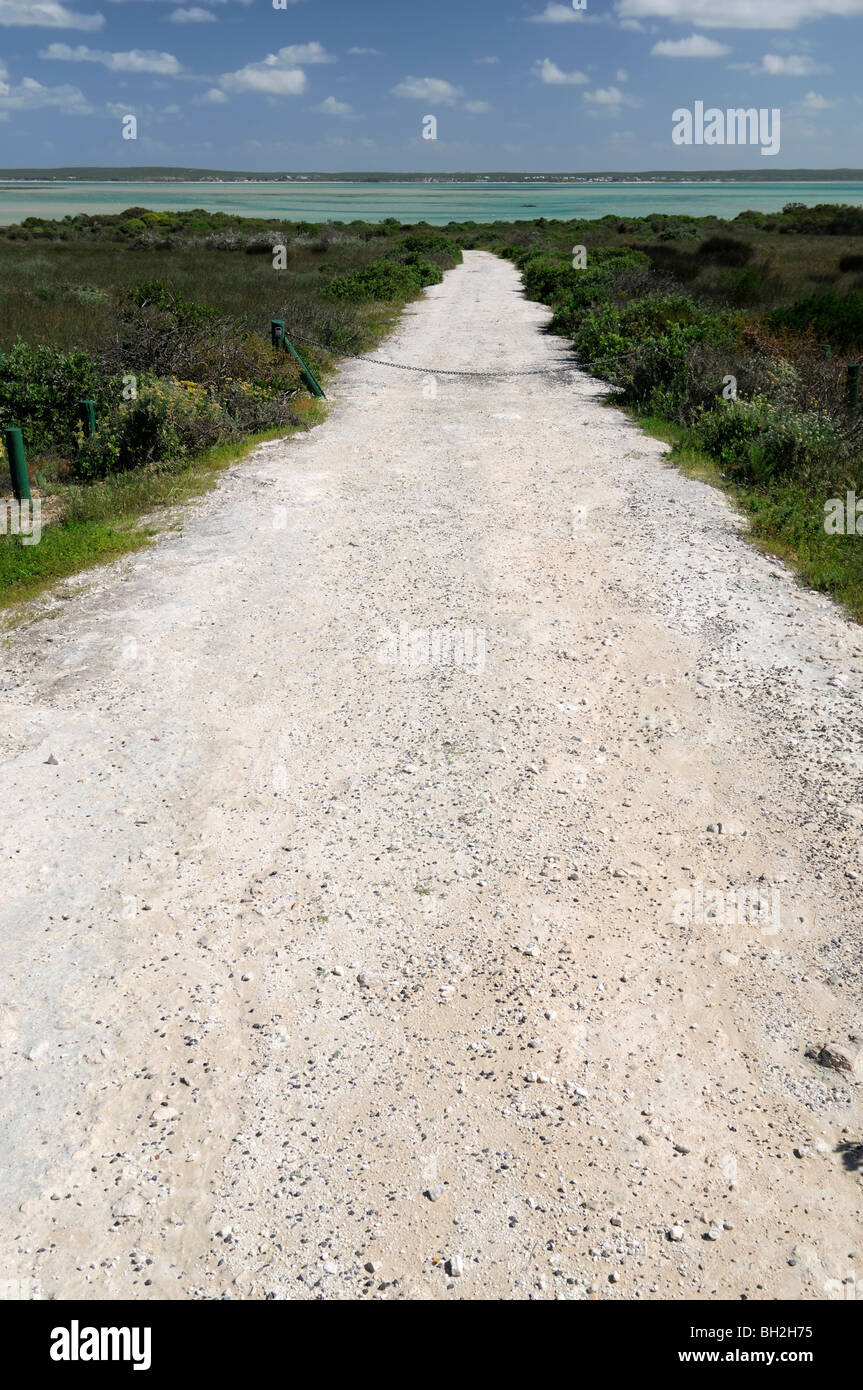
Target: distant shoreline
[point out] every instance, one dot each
(166, 175)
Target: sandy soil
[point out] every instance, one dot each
(342, 964)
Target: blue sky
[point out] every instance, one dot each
(346, 84)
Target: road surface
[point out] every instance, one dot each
(364, 842)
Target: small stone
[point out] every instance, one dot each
(247, 976)
(127, 1208)
(675, 1233)
(51, 761)
(435, 1193)
(714, 1233)
(839, 1057)
(455, 1266)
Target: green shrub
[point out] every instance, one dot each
(154, 294)
(836, 318)
(761, 440)
(40, 388)
(169, 419)
(726, 250)
(382, 279)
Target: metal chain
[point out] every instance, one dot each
(442, 371)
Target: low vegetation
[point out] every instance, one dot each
(162, 320)
(738, 336)
(732, 337)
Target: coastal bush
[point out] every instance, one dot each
(725, 250)
(155, 294)
(40, 388)
(761, 439)
(385, 280)
(169, 419)
(836, 318)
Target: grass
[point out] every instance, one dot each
(61, 286)
(105, 520)
(195, 333)
(769, 302)
(785, 521)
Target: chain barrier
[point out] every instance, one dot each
(444, 371)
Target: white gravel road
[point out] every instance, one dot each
(342, 962)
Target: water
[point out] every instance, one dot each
(411, 202)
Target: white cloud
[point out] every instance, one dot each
(429, 89)
(277, 75)
(563, 14)
(330, 107)
(476, 108)
(609, 100)
(194, 15)
(137, 60)
(739, 14)
(366, 52)
(304, 53)
(814, 102)
(696, 46)
(30, 95)
(489, 61)
(621, 75)
(46, 14)
(551, 74)
(795, 65)
(605, 96)
(273, 81)
(214, 96)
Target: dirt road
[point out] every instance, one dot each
(362, 933)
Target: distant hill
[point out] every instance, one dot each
(168, 174)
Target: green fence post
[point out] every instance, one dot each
(277, 331)
(87, 416)
(17, 464)
(828, 354)
(313, 385)
(853, 384)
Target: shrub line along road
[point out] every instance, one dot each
(292, 924)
